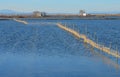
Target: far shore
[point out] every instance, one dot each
(67, 18)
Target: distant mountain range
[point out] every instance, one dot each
(7, 12)
(109, 12)
(11, 12)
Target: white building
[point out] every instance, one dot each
(83, 13)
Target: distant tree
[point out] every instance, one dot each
(82, 12)
(43, 14)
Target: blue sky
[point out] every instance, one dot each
(61, 6)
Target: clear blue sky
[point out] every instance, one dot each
(62, 6)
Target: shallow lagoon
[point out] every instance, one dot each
(41, 49)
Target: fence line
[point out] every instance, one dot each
(89, 41)
(21, 21)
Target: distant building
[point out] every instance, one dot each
(83, 13)
(39, 14)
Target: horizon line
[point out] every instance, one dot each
(77, 12)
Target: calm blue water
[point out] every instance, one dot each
(41, 49)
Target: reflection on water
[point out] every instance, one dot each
(38, 50)
(37, 66)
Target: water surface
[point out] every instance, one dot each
(41, 49)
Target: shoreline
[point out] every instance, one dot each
(70, 18)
